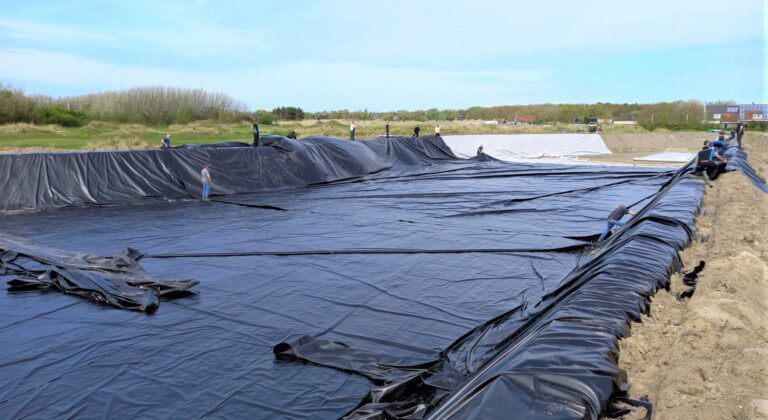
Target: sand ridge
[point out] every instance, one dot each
(707, 357)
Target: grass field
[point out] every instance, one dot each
(110, 136)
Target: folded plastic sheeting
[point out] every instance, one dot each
(411, 282)
(513, 147)
(117, 281)
(737, 161)
(47, 180)
(556, 358)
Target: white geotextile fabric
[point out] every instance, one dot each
(528, 146)
(667, 157)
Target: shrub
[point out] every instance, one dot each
(59, 115)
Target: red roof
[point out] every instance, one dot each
(525, 118)
(749, 115)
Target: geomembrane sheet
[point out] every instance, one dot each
(401, 261)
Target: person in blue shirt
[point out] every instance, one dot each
(166, 142)
(733, 135)
(614, 219)
(719, 143)
(255, 128)
(705, 162)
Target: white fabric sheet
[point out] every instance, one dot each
(512, 147)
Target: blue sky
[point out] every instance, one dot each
(393, 55)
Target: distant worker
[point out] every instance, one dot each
(614, 219)
(437, 130)
(292, 135)
(386, 129)
(205, 176)
(255, 128)
(416, 131)
(166, 142)
(740, 128)
(352, 130)
(480, 150)
(705, 162)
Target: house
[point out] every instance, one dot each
(753, 113)
(524, 119)
(715, 113)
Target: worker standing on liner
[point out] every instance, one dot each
(255, 128)
(437, 130)
(416, 131)
(740, 128)
(614, 219)
(386, 129)
(705, 162)
(166, 142)
(352, 130)
(205, 176)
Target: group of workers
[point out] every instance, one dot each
(709, 160)
(416, 130)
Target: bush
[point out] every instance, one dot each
(680, 127)
(59, 115)
(267, 119)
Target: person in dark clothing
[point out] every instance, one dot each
(292, 135)
(386, 129)
(166, 143)
(416, 131)
(255, 128)
(740, 128)
(614, 219)
(480, 150)
(733, 135)
(705, 162)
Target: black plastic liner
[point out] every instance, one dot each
(555, 358)
(117, 281)
(431, 286)
(49, 180)
(737, 161)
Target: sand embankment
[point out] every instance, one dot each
(707, 357)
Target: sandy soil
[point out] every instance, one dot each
(656, 141)
(627, 146)
(707, 357)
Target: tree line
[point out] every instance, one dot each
(678, 113)
(158, 105)
(154, 105)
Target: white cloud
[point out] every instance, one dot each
(190, 36)
(312, 85)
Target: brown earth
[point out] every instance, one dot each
(707, 357)
(625, 147)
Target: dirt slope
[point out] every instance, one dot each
(656, 141)
(707, 357)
